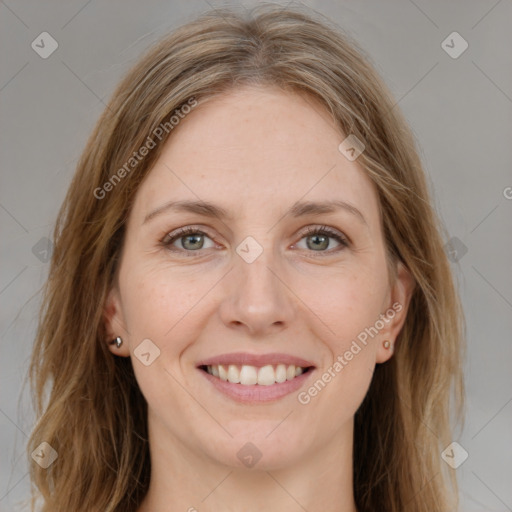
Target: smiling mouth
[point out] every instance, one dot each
(248, 375)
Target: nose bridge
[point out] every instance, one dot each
(258, 298)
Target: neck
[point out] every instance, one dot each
(183, 478)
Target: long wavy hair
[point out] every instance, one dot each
(89, 407)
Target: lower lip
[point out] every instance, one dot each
(255, 393)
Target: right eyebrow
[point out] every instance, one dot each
(199, 207)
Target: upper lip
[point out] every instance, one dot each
(243, 358)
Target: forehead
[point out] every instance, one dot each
(256, 147)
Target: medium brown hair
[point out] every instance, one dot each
(89, 406)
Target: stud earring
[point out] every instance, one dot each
(386, 344)
(118, 341)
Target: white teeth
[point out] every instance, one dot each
(233, 374)
(247, 375)
(280, 373)
(223, 374)
(266, 375)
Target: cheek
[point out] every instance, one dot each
(349, 307)
(352, 307)
(159, 299)
(165, 308)
(348, 303)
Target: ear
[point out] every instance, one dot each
(115, 324)
(395, 311)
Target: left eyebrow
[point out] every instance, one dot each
(299, 209)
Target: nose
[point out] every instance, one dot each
(257, 300)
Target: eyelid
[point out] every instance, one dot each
(176, 234)
(333, 232)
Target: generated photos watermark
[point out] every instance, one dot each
(304, 397)
(149, 144)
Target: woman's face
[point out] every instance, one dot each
(250, 288)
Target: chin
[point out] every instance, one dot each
(258, 449)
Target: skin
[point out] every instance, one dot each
(254, 151)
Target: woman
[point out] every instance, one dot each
(249, 306)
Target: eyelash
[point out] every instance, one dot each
(170, 238)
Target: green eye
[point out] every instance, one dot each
(193, 239)
(319, 238)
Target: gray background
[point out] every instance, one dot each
(460, 111)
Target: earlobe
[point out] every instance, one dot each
(385, 351)
(114, 324)
(401, 294)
